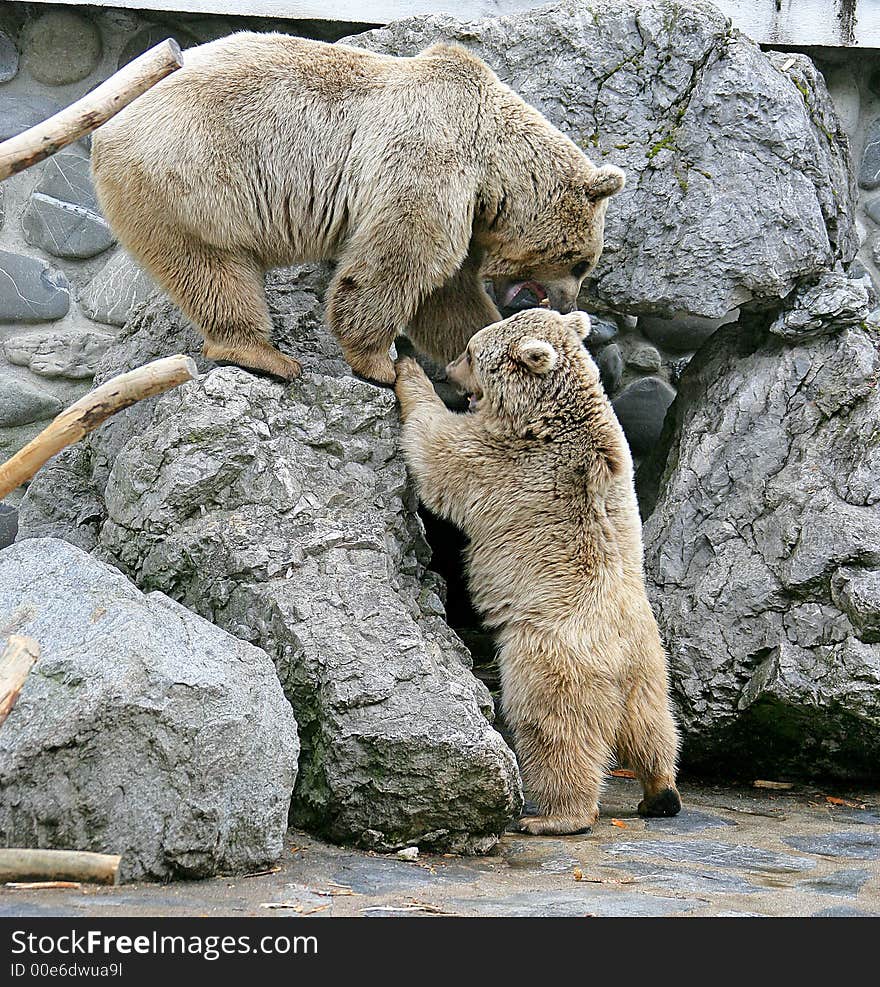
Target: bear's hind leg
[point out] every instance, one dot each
(563, 762)
(223, 294)
(648, 742)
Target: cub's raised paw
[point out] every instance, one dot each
(556, 825)
(665, 803)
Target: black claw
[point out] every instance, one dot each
(665, 803)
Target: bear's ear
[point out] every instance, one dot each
(536, 355)
(580, 322)
(605, 181)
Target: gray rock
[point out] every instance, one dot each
(22, 402)
(116, 290)
(586, 900)
(284, 515)
(678, 367)
(8, 58)
(861, 844)
(683, 333)
(762, 549)
(30, 290)
(828, 305)
(677, 879)
(19, 111)
(843, 911)
(869, 169)
(610, 364)
(857, 817)
(64, 229)
(715, 854)
(8, 524)
(66, 176)
(707, 127)
(547, 856)
(152, 35)
(601, 332)
(70, 353)
(688, 821)
(872, 208)
(641, 407)
(844, 90)
(142, 730)
(644, 356)
(843, 883)
(60, 48)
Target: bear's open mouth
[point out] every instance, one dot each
(518, 287)
(474, 399)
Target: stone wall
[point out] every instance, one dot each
(66, 288)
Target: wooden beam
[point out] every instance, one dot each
(91, 110)
(58, 865)
(90, 411)
(16, 661)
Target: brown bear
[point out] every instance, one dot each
(540, 479)
(418, 176)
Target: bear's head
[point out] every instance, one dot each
(527, 367)
(553, 236)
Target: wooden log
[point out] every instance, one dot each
(90, 411)
(58, 865)
(16, 662)
(91, 110)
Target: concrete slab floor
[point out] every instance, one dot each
(733, 851)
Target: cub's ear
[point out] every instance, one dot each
(536, 355)
(605, 181)
(580, 322)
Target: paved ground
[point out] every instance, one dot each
(733, 851)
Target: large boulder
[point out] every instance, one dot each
(142, 729)
(739, 180)
(283, 514)
(763, 549)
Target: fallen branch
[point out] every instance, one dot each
(16, 662)
(58, 865)
(89, 112)
(90, 411)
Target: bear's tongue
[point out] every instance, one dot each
(518, 287)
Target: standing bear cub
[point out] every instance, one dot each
(540, 479)
(418, 176)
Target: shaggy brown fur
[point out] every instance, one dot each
(418, 176)
(540, 479)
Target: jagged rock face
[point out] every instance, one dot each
(142, 730)
(738, 170)
(283, 514)
(763, 553)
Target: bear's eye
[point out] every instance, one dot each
(579, 270)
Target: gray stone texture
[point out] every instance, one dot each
(30, 290)
(641, 408)
(762, 550)
(61, 47)
(142, 730)
(830, 304)
(708, 128)
(283, 514)
(19, 111)
(8, 58)
(23, 402)
(116, 290)
(714, 853)
(70, 354)
(8, 524)
(64, 229)
(66, 176)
